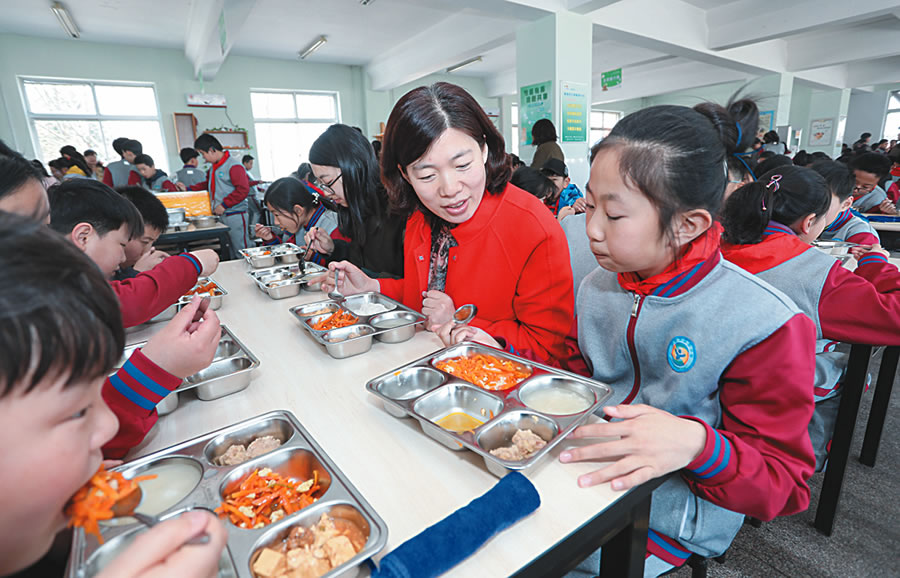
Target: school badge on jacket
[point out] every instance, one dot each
(681, 354)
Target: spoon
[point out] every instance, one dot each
(336, 295)
(125, 508)
(464, 314)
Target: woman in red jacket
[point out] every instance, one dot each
(471, 237)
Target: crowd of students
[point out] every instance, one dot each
(684, 276)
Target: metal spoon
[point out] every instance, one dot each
(124, 508)
(336, 295)
(464, 314)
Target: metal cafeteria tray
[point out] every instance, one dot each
(834, 247)
(229, 372)
(296, 458)
(393, 326)
(215, 300)
(286, 280)
(266, 255)
(424, 392)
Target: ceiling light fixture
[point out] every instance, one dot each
(366, 2)
(65, 19)
(313, 47)
(465, 63)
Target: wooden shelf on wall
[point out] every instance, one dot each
(231, 139)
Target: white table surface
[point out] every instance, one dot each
(879, 226)
(410, 479)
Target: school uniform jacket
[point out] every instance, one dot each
(869, 203)
(722, 347)
(120, 173)
(132, 394)
(322, 218)
(159, 183)
(849, 226)
(510, 262)
(227, 185)
(191, 176)
(150, 293)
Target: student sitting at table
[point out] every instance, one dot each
(532, 181)
(140, 255)
(368, 235)
(847, 225)
(717, 393)
(470, 237)
(77, 166)
(21, 189)
(768, 227)
(870, 169)
(189, 174)
(101, 222)
(566, 193)
(152, 178)
(121, 172)
(297, 207)
(60, 337)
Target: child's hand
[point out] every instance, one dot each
(863, 250)
(320, 241)
(181, 186)
(209, 261)
(219, 210)
(351, 279)
(652, 443)
(580, 205)
(150, 260)
(565, 212)
(438, 307)
(263, 232)
(887, 207)
(161, 550)
(451, 334)
(186, 345)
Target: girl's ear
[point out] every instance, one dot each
(81, 234)
(689, 225)
(848, 202)
(805, 224)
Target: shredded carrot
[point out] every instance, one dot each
(485, 371)
(337, 319)
(95, 500)
(262, 494)
(205, 288)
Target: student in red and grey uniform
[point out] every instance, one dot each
(189, 174)
(297, 207)
(123, 172)
(768, 227)
(228, 188)
(848, 225)
(724, 405)
(871, 169)
(152, 178)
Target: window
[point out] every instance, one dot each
(602, 122)
(287, 124)
(90, 115)
(514, 138)
(892, 120)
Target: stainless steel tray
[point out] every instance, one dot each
(297, 457)
(230, 372)
(286, 280)
(424, 392)
(215, 300)
(395, 325)
(267, 255)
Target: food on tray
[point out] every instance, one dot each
(320, 311)
(369, 308)
(459, 422)
(336, 320)
(209, 288)
(311, 552)
(485, 371)
(525, 443)
(266, 497)
(95, 500)
(351, 335)
(238, 454)
(556, 401)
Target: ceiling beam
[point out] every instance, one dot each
(664, 77)
(749, 22)
(588, 6)
(883, 71)
(858, 44)
(203, 39)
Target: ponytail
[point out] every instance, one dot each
(288, 192)
(784, 195)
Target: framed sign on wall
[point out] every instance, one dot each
(821, 132)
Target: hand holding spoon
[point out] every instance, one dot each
(125, 508)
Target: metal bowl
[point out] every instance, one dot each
(395, 326)
(203, 221)
(176, 216)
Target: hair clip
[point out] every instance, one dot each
(774, 182)
(740, 132)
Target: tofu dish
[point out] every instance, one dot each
(311, 552)
(238, 454)
(525, 443)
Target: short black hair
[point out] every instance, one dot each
(772, 163)
(246, 158)
(838, 177)
(15, 171)
(117, 143)
(188, 153)
(871, 162)
(58, 315)
(88, 201)
(134, 146)
(143, 159)
(152, 211)
(533, 181)
(207, 142)
(89, 152)
(865, 135)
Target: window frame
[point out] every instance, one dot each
(603, 114)
(892, 95)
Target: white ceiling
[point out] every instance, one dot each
(663, 45)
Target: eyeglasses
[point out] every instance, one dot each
(327, 186)
(863, 188)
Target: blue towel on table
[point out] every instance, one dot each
(456, 537)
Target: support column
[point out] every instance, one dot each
(557, 50)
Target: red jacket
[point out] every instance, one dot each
(512, 262)
(132, 394)
(238, 175)
(150, 293)
(134, 178)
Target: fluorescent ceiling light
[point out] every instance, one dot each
(313, 47)
(465, 63)
(366, 2)
(65, 19)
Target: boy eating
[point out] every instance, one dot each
(140, 254)
(152, 178)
